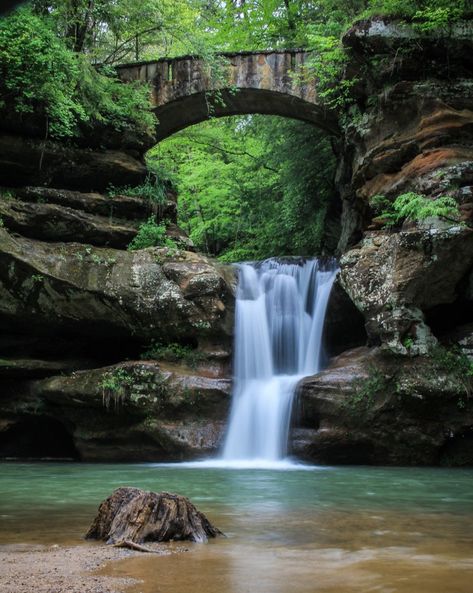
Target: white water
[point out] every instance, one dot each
(280, 312)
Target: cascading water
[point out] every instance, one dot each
(280, 312)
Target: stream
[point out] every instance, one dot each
(298, 530)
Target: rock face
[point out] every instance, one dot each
(133, 515)
(395, 278)
(147, 294)
(74, 303)
(50, 222)
(409, 130)
(370, 407)
(406, 399)
(29, 161)
(78, 311)
(133, 411)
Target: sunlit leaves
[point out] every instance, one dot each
(246, 189)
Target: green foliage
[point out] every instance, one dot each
(155, 187)
(40, 75)
(245, 190)
(7, 194)
(49, 51)
(151, 234)
(38, 70)
(414, 207)
(366, 390)
(173, 352)
(109, 103)
(327, 65)
(454, 361)
(115, 386)
(428, 15)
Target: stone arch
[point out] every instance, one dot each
(198, 107)
(184, 93)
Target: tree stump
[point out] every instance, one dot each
(134, 515)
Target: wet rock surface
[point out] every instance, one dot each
(90, 290)
(132, 411)
(393, 278)
(369, 407)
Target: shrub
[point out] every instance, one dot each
(173, 352)
(155, 189)
(151, 234)
(40, 75)
(414, 207)
(114, 386)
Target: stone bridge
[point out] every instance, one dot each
(185, 91)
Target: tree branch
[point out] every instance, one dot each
(234, 152)
(111, 57)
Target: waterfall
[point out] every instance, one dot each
(280, 312)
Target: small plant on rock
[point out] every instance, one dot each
(173, 352)
(366, 389)
(115, 385)
(414, 207)
(152, 234)
(456, 363)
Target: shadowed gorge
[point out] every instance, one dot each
(236, 268)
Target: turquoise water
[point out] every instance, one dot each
(68, 494)
(334, 530)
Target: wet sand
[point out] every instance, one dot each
(32, 568)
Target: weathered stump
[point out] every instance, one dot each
(137, 516)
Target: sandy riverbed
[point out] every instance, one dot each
(62, 569)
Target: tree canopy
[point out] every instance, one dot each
(249, 186)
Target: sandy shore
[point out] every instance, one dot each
(61, 569)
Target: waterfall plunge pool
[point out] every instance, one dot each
(337, 530)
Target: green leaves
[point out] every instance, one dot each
(251, 186)
(414, 207)
(151, 234)
(38, 72)
(428, 15)
(39, 75)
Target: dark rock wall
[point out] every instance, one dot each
(77, 310)
(407, 398)
(75, 304)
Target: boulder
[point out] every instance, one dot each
(371, 407)
(131, 411)
(134, 515)
(138, 295)
(393, 278)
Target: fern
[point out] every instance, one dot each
(414, 207)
